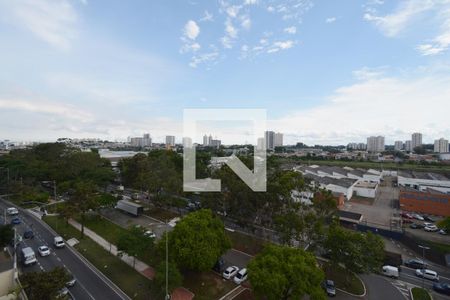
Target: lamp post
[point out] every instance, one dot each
(423, 261)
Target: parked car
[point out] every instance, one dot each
(329, 287)
(427, 274)
(414, 263)
(442, 231)
(230, 272)
(58, 242)
(219, 265)
(443, 288)
(44, 251)
(62, 294)
(28, 234)
(241, 276)
(431, 228)
(407, 221)
(416, 226)
(429, 219)
(150, 233)
(418, 217)
(390, 271)
(427, 224)
(406, 215)
(16, 221)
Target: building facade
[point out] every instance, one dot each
(408, 146)
(375, 144)
(416, 140)
(269, 137)
(441, 146)
(398, 146)
(426, 202)
(170, 141)
(278, 139)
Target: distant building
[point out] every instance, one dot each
(145, 141)
(356, 146)
(398, 146)
(215, 143)
(269, 137)
(408, 146)
(278, 139)
(170, 141)
(375, 144)
(441, 146)
(416, 140)
(207, 140)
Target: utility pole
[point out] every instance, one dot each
(423, 260)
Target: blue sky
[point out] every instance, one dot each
(328, 72)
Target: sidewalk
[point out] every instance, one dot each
(140, 266)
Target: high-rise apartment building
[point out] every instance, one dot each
(375, 144)
(441, 146)
(416, 140)
(278, 139)
(269, 136)
(170, 141)
(408, 146)
(398, 146)
(207, 140)
(145, 141)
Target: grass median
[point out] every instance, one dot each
(420, 294)
(344, 279)
(135, 285)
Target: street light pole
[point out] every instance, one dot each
(423, 261)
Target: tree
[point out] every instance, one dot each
(420, 150)
(44, 285)
(6, 235)
(83, 200)
(175, 279)
(281, 272)
(445, 224)
(134, 242)
(197, 241)
(358, 252)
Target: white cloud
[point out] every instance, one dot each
(207, 17)
(246, 23)
(203, 58)
(233, 10)
(330, 20)
(369, 73)
(270, 9)
(390, 106)
(250, 2)
(392, 24)
(191, 30)
(441, 42)
(51, 21)
(291, 30)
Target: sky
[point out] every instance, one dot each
(326, 72)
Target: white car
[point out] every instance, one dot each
(58, 242)
(418, 217)
(150, 234)
(431, 228)
(427, 274)
(44, 251)
(12, 211)
(230, 272)
(241, 276)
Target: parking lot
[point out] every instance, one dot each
(382, 211)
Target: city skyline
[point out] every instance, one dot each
(113, 76)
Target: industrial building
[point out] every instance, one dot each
(427, 201)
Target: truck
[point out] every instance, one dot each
(28, 256)
(129, 207)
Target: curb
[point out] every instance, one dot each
(358, 296)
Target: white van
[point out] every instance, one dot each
(28, 256)
(58, 242)
(12, 211)
(390, 271)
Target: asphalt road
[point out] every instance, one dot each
(90, 284)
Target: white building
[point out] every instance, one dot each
(278, 139)
(398, 146)
(441, 146)
(375, 144)
(416, 140)
(269, 137)
(170, 141)
(408, 146)
(207, 140)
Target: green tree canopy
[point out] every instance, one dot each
(44, 285)
(175, 279)
(197, 241)
(281, 272)
(445, 224)
(134, 242)
(6, 235)
(358, 252)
